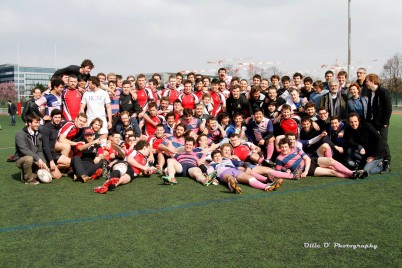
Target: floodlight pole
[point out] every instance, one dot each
(349, 37)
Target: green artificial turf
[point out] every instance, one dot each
(147, 224)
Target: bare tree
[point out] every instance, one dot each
(392, 76)
(230, 70)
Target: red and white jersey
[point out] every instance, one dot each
(208, 108)
(144, 96)
(171, 93)
(188, 100)
(141, 159)
(69, 130)
(218, 102)
(71, 99)
(150, 128)
(243, 150)
(155, 141)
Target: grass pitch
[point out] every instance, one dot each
(311, 222)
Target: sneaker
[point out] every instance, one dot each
(233, 185)
(386, 168)
(85, 178)
(273, 186)
(215, 182)
(101, 189)
(297, 173)
(111, 183)
(270, 178)
(30, 181)
(359, 174)
(210, 178)
(168, 180)
(105, 170)
(96, 174)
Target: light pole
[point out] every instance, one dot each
(349, 38)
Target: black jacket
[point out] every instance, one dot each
(381, 108)
(240, 105)
(365, 136)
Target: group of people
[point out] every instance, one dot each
(216, 131)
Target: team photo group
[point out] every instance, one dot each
(216, 130)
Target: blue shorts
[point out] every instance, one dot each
(186, 167)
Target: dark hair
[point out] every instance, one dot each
(56, 81)
(214, 152)
(94, 80)
(309, 104)
(187, 112)
(55, 112)
(141, 144)
(298, 75)
(152, 104)
(257, 76)
(283, 141)
(88, 63)
(308, 79)
(190, 139)
(215, 81)
(32, 117)
(306, 118)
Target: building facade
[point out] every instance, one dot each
(25, 78)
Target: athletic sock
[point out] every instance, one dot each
(258, 176)
(328, 153)
(342, 169)
(253, 182)
(282, 175)
(270, 150)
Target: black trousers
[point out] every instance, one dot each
(81, 167)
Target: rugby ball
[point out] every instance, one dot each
(44, 176)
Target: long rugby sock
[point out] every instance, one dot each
(270, 150)
(328, 153)
(257, 184)
(342, 169)
(258, 176)
(341, 175)
(282, 175)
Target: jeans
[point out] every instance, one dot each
(374, 167)
(12, 117)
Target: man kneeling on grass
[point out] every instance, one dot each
(186, 165)
(228, 172)
(124, 172)
(294, 160)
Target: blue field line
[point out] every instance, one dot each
(190, 205)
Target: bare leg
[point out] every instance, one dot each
(196, 173)
(63, 148)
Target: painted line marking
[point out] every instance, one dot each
(189, 205)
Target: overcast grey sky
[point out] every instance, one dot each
(129, 37)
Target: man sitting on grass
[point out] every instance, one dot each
(227, 169)
(300, 164)
(186, 164)
(28, 144)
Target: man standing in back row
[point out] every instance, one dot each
(97, 102)
(379, 111)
